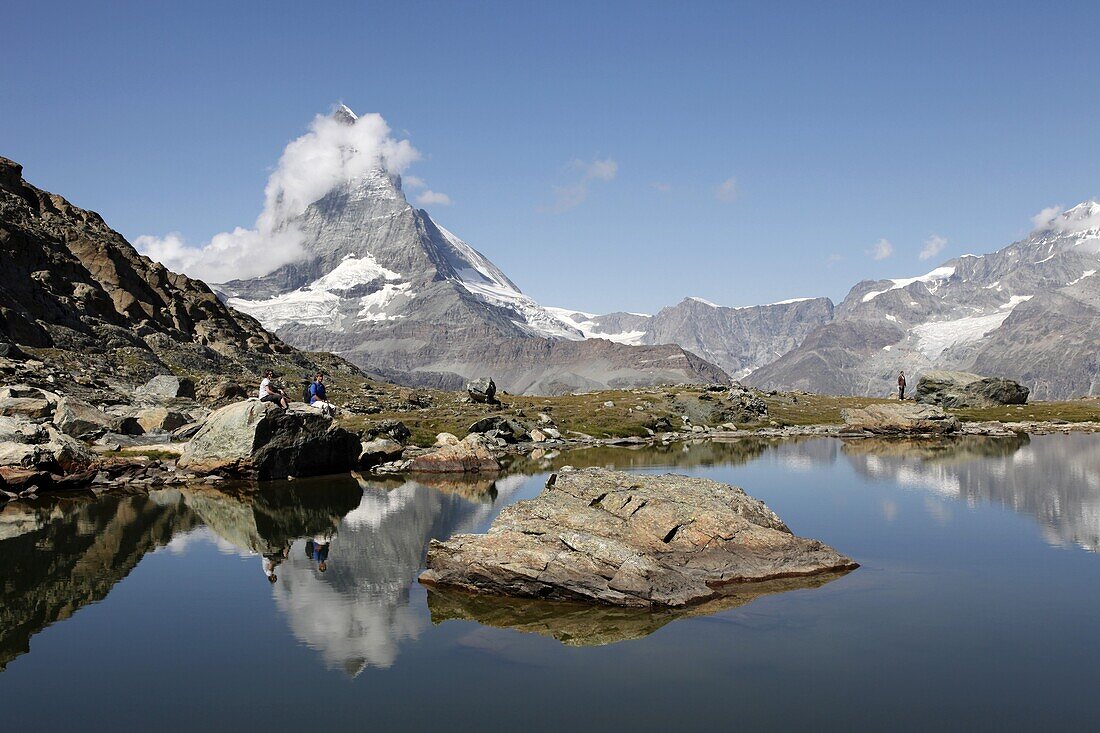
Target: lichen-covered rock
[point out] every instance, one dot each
(900, 418)
(963, 389)
(469, 455)
(160, 420)
(628, 539)
(261, 440)
(167, 387)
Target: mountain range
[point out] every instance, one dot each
(387, 287)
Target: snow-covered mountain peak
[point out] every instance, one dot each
(343, 113)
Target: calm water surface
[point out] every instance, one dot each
(976, 606)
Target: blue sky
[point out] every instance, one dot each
(841, 124)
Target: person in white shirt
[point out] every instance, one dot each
(269, 392)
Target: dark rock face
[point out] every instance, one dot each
(495, 426)
(629, 540)
(393, 429)
(260, 440)
(963, 389)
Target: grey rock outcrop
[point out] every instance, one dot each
(260, 440)
(964, 389)
(899, 418)
(630, 540)
(80, 420)
(379, 450)
(482, 390)
(28, 445)
(167, 387)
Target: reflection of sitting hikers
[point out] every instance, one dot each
(317, 396)
(272, 561)
(269, 392)
(317, 550)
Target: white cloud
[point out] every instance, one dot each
(1083, 217)
(662, 187)
(412, 182)
(933, 246)
(337, 148)
(881, 250)
(568, 197)
(430, 197)
(727, 190)
(1045, 218)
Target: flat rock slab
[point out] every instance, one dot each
(629, 539)
(900, 418)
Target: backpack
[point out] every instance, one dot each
(305, 393)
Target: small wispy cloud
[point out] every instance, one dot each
(832, 259)
(727, 190)
(574, 194)
(412, 183)
(429, 197)
(881, 250)
(661, 186)
(1045, 218)
(933, 246)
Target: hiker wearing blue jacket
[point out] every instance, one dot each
(317, 396)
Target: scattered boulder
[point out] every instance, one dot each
(29, 445)
(20, 400)
(260, 440)
(378, 451)
(629, 540)
(167, 386)
(224, 389)
(963, 389)
(160, 420)
(483, 390)
(469, 455)
(393, 429)
(80, 420)
(495, 426)
(446, 439)
(126, 425)
(900, 418)
(747, 405)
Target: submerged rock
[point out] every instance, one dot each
(629, 540)
(261, 440)
(900, 418)
(963, 389)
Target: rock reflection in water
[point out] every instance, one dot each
(1053, 478)
(581, 624)
(56, 557)
(358, 611)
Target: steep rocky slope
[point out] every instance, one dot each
(76, 294)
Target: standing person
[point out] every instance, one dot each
(901, 386)
(269, 392)
(317, 396)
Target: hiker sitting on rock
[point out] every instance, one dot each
(317, 396)
(269, 392)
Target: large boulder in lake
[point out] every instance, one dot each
(963, 389)
(629, 540)
(899, 419)
(261, 440)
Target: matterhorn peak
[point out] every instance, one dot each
(343, 113)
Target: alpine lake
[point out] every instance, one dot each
(975, 606)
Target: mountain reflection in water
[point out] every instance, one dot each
(57, 556)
